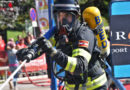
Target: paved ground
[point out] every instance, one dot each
(24, 84)
(28, 87)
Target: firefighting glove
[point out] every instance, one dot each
(48, 48)
(25, 54)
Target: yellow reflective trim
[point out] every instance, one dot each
(72, 86)
(38, 53)
(81, 52)
(91, 85)
(71, 64)
(97, 82)
(69, 85)
(67, 88)
(67, 66)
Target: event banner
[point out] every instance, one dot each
(42, 15)
(120, 38)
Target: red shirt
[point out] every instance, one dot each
(3, 54)
(2, 45)
(21, 45)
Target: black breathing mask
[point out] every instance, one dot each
(64, 22)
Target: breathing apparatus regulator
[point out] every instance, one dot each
(92, 16)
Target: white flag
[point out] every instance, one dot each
(42, 15)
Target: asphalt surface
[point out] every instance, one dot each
(24, 83)
(27, 87)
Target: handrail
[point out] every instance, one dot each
(4, 68)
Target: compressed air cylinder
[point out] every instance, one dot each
(92, 16)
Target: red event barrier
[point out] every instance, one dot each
(37, 64)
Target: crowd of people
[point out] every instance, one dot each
(8, 54)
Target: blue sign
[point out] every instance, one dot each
(120, 38)
(33, 15)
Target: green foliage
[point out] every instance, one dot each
(14, 34)
(24, 14)
(103, 6)
(18, 24)
(83, 1)
(25, 6)
(105, 21)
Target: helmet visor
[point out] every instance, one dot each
(64, 19)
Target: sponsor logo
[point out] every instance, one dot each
(97, 19)
(44, 23)
(43, 4)
(122, 40)
(101, 33)
(103, 38)
(121, 36)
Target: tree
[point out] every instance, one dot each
(103, 5)
(21, 8)
(14, 12)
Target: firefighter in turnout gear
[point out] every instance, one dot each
(76, 49)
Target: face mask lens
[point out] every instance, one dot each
(64, 18)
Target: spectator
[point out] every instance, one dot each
(18, 39)
(3, 56)
(21, 44)
(27, 40)
(11, 39)
(2, 44)
(13, 62)
(31, 37)
(3, 61)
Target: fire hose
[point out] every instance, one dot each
(29, 56)
(34, 83)
(12, 75)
